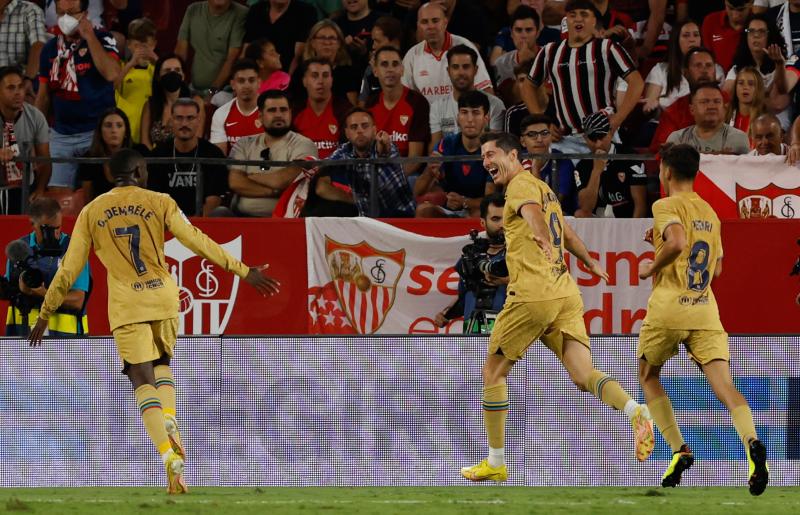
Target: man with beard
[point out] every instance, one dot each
(240, 116)
(259, 187)
(179, 180)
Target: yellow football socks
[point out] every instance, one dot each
(165, 387)
(495, 411)
(607, 390)
(743, 422)
(152, 417)
(664, 417)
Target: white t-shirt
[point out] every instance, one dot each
(427, 73)
(768, 78)
(658, 76)
(768, 3)
(444, 114)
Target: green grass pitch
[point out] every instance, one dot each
(502, 500)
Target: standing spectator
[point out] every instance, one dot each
(94, 10)
(356, 21)
(258, 187)
(766, 135)
(559, 174)
(169, 84)
(351, 184)
(135, 84)
(179, 180)
(582, 63)
(284, 22)
(401, 112)
(240, 116)
(723, 29)
(24, 132)
(455, 189)
(264, 53)
(546, 34)
(762, 49)
(77, 71)
(322, 115)
(113, 132)
(462, 67)
(749, 100)
(649, 16)
(524, 32)
(387, 31)
(608, 188)
(424, 70)
(214, 30)
(22, 35)
(786, 15)
(710, 134)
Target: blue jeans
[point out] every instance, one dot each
(65, 175)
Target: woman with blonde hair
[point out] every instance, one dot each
(749, 99)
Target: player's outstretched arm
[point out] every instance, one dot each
(674, 243)
(574, 244)
(265, 284)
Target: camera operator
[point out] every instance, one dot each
(482, 271)
(32, 262)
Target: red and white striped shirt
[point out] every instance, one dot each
(229, 124)
(583, 78)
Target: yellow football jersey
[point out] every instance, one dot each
(532, 277)
(126, 227)
(682, 297)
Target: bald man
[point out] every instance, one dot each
(766, 136)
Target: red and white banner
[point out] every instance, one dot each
(750, 186)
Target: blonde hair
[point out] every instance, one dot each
(759, 104)
(342, 57)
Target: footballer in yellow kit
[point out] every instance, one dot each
(543, 302)
(682, 310)
(126, 228)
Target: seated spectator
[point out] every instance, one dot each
(766, 135)
(113, 132)
(455, 189)
(356, 20)
(524, 31)
(462, 67)
(387, 31)
(266, 56)
(337, 188)
(504, 42)
(749, 101)
(559, 174)
(710, 134)
(761, 49)
(169, 84)
(214, 30)
(320, 117)
(23, 132)
(326, 41)
(284, 22)
(518, 111)
(135, 84)
(723, 29)
(608, 188)
(401, 112)
(786, 16)
(77, 99)
(258, 188)
(179, 180)
(240, 116)
(424, 70)
(22, 36)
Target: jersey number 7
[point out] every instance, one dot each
(132, 233)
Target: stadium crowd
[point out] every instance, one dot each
(286, 80)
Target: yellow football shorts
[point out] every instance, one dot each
(146, 341)
(657, 345)
(519, 324)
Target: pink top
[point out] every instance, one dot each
(278, 80)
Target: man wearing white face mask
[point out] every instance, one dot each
(77, 70)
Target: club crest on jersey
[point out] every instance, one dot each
(621, 176)
(333, 128)
(206, 293)
(258, 123)
(771, 201)
(403, 119)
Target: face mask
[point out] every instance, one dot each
(68, 24)
(171, 82)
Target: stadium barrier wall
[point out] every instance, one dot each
(376, 411)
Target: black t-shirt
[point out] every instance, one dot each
(615, 183)
(179, 180)
(292, 27)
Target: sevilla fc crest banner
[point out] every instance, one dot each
(749, 186)
(367, 277)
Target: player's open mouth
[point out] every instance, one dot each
(492, 171)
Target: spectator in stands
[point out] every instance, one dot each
(52, 12)
(264, 53)
(424, 70)
(786, 16)
(504, 42)
(518, 111)
(762, 49)
(24, 132)
(169, 84)
(284, 22)
(240, 116)
(326, 41)
(560, 63)
(524, 31)
(462, 67)
(455, 189)
(608, 188)
(180, 180)
(710, 134)
(22, 35)
(401, 112)
(321, 116)
(258, 188)
(649, 17)
(356, 20)
(351, 184)
(135, 84)
(559, 174)
(749, 99)
(214, 30)
(723, 29)
(766, 135)
(387, 32)
(76, 75)
(113, 132)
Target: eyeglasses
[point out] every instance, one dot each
(757, 32)
(265, 157)
(537, 134)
